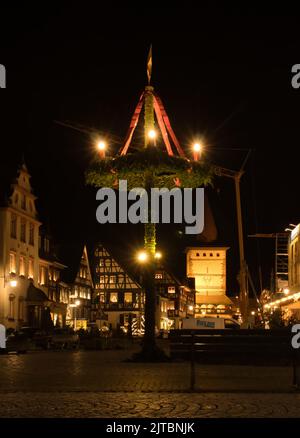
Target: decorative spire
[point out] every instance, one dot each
(149, 65)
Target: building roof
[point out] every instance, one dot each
(70, 254)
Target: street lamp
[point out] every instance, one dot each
(101, 146)
(142, 257)
(12, 282)
(197, 149)
(152, 134)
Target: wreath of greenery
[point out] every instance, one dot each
(166, 171)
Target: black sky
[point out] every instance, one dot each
(226, 77)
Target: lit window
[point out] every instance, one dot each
(101, 262)
(23, 230)
(13, 226)
(158, 276)
(113, 297)
(12, 262)
(43, 275)
(112, 278)
(101, 298)
(171, 305)
(22, 265)
(171, 290)
(128, 297)
(102, 279)
(30, 268)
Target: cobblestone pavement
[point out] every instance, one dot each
(102, 384)
(107, 371)
(170, 405)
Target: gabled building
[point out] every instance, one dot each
(174, 300)
(207, 265)
(78, 279)
(50, 269)
(117, 294)
(19, 253)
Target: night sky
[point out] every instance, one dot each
(223, 77)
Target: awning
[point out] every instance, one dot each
(36, 296)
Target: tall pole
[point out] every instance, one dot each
(243, 273)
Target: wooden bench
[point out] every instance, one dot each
(235, 347)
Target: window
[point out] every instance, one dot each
(101, 298)
(112, 278)
(171, 290)
(211, 254)
(102, 279)
(101, 262)
(218, 255)
(46, 244)
(128, 297)
(30, 268)
(21, 309)
(12, 299)
(43, 275)
(197, 254)
(23, 230)
(12, 262)
(22, 266)
(31, 234)
(23, 202)
(55, 275)
(204, 254)
(113, 297)
(158, 276)
(13, 226)
(107, 262)
(171, 305)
